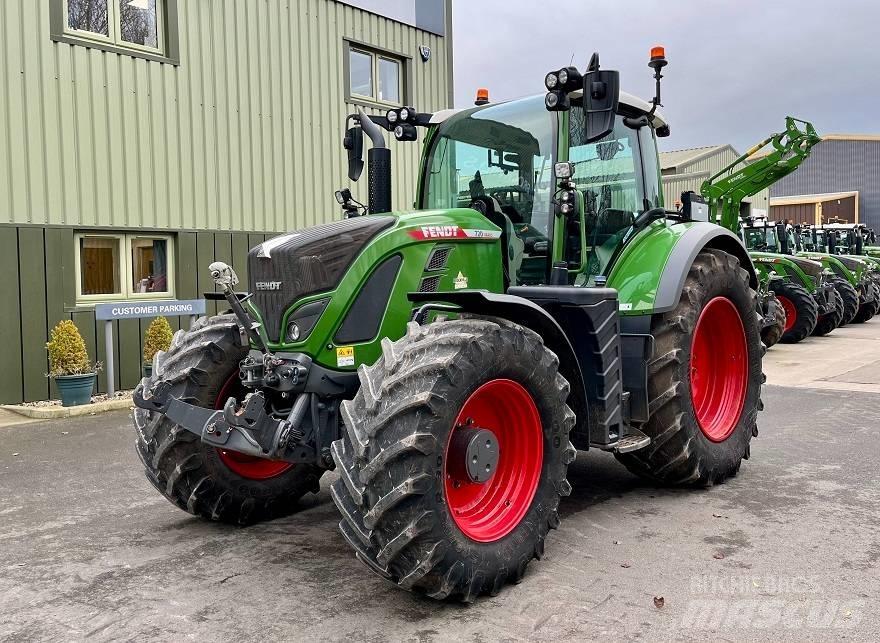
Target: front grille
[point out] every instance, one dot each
(438, 259)
(306, 262)
(429, 284)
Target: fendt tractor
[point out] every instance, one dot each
(862, 299)
(450, 362)
(807, 291)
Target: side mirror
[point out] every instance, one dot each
(860, 246)
(783, 239)
(601, 97)
(354, 143)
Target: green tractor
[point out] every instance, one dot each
(855, 239)
(862, 298)
(805, 289)
(450, 362)
(811, 305)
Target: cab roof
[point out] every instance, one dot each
(629, 100)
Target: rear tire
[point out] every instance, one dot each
(829, 321)
(801, 311)
(772, 334)
(399, 512)
(850, 299)
(192, 475)
(681, 451)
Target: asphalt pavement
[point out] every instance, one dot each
(789, 550)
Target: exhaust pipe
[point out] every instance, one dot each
(378, 167)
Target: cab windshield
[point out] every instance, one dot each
(503, 151)
(761, 239)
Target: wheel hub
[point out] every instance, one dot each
(473, 453)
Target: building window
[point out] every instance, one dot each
(123, 266)
(375, 76)
(141, 28)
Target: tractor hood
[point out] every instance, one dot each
(850, 263)
(812, 268)
(286, 268)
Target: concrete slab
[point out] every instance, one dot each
(824, 362)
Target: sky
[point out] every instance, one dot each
(736, 68)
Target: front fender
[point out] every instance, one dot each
(650, 272)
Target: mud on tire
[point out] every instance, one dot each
(392, 458)
(190, 473)
(680, 453)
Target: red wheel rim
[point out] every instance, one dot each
(719, 369)
(489, 511)
(246, 466)
(790, 312)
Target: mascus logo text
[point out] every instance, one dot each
(268, 285)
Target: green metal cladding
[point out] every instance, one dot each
(244, 134)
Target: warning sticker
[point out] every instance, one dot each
(345, 356)
(460, 281)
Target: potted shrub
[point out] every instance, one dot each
(69, 364)
(157, 338)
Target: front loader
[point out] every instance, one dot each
(811, 305)
(449, 362)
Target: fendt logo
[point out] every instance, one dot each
(440, 231)
(268, 285)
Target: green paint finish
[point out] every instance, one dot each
(474, 258)
(60, 279)
(32, 281)
(11, 390)
(187, 265)
(835, 265)
(636, 273)
(85, 322)
(767, 262)
(128, 346)
(204, 257)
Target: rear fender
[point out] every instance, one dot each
(648, 285)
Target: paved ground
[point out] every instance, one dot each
(788, 550)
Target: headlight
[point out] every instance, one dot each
(293, 332)
(563, 77)
(391, 116)
(404, 114)
(551, 80)
(552, 100)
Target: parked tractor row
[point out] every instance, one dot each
(449, 362)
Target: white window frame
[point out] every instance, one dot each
(114, 36)
(124, 266)
(375, 56)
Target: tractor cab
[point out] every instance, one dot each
(504, 161)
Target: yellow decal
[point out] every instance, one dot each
(345, 356)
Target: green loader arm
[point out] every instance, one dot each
(725, 193)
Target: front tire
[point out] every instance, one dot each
(829, 321)
(868, 310)
(850, 299)
(217, 485)
(704, 380)
(801, 311)
(408, 510)
(772, 334)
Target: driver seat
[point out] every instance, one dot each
(512, 246)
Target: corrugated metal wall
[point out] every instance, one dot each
(690, 176)
(37, 266)
(840, 166)
(244, 135)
